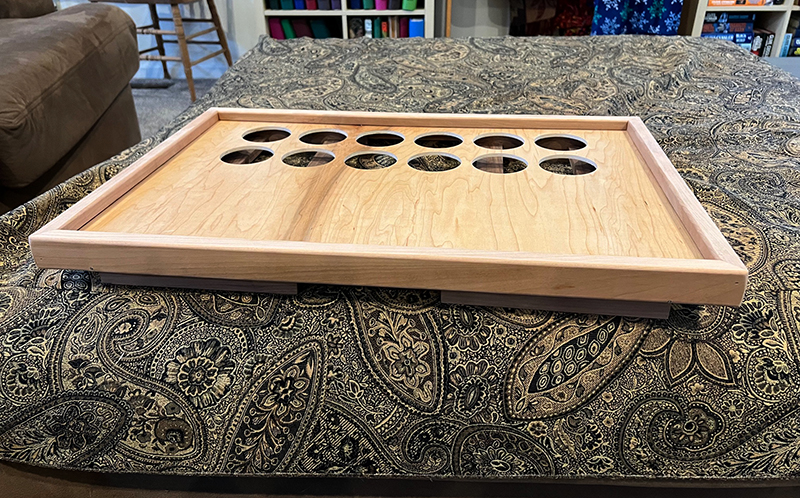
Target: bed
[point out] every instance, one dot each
(389, 383)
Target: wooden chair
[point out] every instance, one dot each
(182, 40)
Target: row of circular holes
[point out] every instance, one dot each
(493, 163)
(430, 140)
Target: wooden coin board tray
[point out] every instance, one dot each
(627, 238)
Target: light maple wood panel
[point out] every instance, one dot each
(618, 210)
(632, 231)
(696, 281)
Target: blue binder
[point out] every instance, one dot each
(416, 28)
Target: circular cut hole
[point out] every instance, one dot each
(501, 142)
(561, 142)
(266, 135)
(246, 156)
(499, 163)
(439, 140)
(308, 158)
(568, 165)
(370, 160)
(323, 137)
(434, 162)
(380, 139)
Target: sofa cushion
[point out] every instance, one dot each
(25, 8)
(58, 75)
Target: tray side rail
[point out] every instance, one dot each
(691, 281)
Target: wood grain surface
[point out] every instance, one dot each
(616, 210)
(695, 281)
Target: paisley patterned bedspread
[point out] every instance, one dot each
(369, 381)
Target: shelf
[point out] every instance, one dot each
(348, 12)
(375, 12)
(304, 13)
(754, 8)
(425, 9)
(774, 18)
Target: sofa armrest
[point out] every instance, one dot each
(58, 74)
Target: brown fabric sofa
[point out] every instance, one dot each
(65, 97)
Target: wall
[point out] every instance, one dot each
(479, 18)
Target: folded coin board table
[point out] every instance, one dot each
(564, 213)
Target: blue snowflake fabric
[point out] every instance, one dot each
(647, 17)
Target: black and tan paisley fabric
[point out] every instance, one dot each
(387, 382)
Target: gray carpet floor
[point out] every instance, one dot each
(158, 106)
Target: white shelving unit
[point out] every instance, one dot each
(772, 17)
(426, 11)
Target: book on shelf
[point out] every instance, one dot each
(324, 4)
(302, 28)
(300, 4)
(724, 17)
(319, 28)
(275, 29)
(297, 27)
(409, 5)
(787, 41)
(381, 4)
(287, 4)
(275, 4)
(311, 4)
(368, 4)
(288, 30)
(416, 27)
(734, 37)
(395, 4)
(727, 27)
(404, 27)
(356, 4)
(743, 29)
(376, 27)
(762, 42)
(336, 4)
(769, 46)
(382, 27)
